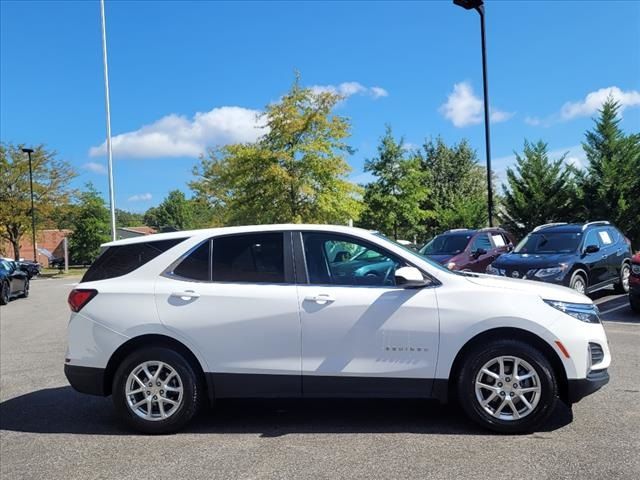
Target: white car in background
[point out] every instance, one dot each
(166, 323)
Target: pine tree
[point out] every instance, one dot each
(610, 186)
(539, 190)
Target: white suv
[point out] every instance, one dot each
(165, 323)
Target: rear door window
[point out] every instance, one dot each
(498, 240)
(251, 258)
(119, 260)
(196, 265)
(481, 241)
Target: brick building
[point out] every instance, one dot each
(51, 240)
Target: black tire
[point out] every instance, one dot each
(191, 395)
(634, 302)
(620, 286)
(474, 362)
(25, 292)
(4, 293)
(577, 278)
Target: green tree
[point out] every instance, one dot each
(174, 213)
(393, 201)
(51, 178)
(610, 185)
(128, 219)
(456, 184)
(539, 190)
(91, 227)
(296, 172)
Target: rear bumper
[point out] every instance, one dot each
(86, 379)
(578, 389)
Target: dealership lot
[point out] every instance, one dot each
(50, 431)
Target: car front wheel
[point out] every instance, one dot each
(507, 386)
(156, 390)
(578, 283)
(25, 290)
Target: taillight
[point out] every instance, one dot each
(79, 297)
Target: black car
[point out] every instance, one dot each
(14, 282)
(31, 268)
(585, 257)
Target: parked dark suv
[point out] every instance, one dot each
(468, 250)
(585, 257)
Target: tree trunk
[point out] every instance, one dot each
(16, 249)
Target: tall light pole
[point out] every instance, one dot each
(29, 151)
(478, 6)
(112, 205)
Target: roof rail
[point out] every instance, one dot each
(597, 222)
(546, 225)
(457, 230)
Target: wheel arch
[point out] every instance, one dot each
(501, 333)
(580, 268)
(151, 340)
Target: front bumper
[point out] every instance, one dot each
(580, 388)
(86, 379)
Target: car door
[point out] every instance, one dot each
(234, 298)
(361, 334)
(596, 261)
(614, 247)
(17, 278)
(478, 262)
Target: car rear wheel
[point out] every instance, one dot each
(507, 386)
(623, 284)
(578, 283)
(155, 390)
(4, 293)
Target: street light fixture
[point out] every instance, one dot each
(478, 6)
(29, 151)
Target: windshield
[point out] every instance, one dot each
(549, 243)
(414, 254)
(446, 245)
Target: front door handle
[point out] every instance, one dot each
(321, 298)
(186, 294)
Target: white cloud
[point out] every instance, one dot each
(533, 121)
(594, 100)
(140, 197)
(95, 167)
(178, 136)
(464, 108)
(348, 89)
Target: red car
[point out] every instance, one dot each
(634, 283)
(468, 250)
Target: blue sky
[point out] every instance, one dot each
(189, 74)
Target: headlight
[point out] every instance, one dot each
(586, 312)
(635, 268)
(551, 272)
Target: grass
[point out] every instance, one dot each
(55, 273)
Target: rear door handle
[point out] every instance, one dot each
(186, 294)
(321, 298)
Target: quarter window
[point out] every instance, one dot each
(253, 258)
(196, 265)
(338, 260)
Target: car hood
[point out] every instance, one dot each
(547, 291)
(440, 258)
(532, 260)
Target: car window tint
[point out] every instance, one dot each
(196, 265)
(481, 241)
(254, 258)
(614, 234)
(498, 240)
(339, 260)
(119, 260)
(4, 266)
(591, 238)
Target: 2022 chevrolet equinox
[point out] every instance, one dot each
(166, 323)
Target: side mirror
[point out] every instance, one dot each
(592, 249)
(479, 252)
(410, 277)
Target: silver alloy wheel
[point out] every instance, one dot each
(579, 285)
(154, 390)
(508, 388)
(626, 273)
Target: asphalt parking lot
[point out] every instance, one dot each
(49, 431)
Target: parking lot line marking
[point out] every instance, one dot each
(614, 309)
